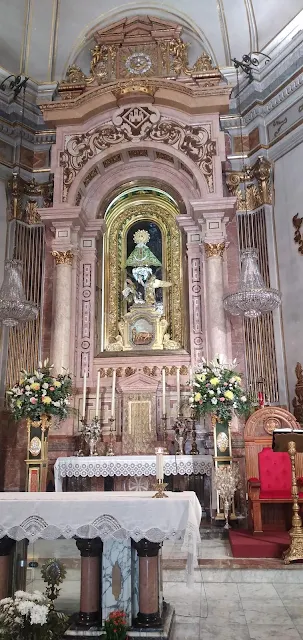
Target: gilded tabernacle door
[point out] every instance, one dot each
(143, 274)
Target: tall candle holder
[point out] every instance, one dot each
(194, 449)
(91, 432)
(164, 433)
(110, 448)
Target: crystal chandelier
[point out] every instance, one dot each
(253, 299)
(14, 308)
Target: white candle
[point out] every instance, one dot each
(97, 413)
(113, 393)
(163, 392)
(159, 465)
(84, 394)
(178, 391)
(190, 372)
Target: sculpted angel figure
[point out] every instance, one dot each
(150, 288)
(130, 292)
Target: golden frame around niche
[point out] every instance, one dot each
(119, 219)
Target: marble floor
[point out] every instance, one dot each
(245, 604)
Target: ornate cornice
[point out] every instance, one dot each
(214, 250)
(252, 187)
(63, 257)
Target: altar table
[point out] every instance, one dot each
(103, 466)
(125, 529)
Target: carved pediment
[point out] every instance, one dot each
(137, 49)
(138, 29)
(138, 382)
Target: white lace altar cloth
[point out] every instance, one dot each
(116, 515)
(103, 466)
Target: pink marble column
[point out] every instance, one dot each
(6, 545)
(148, 615)
(90, 610)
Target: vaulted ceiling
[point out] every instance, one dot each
(41, 37)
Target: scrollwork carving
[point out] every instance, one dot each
(139, 124)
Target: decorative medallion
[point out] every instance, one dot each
(35, 446)
(138, 63)
(222, 442)
(271, 424)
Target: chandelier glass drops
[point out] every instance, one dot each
(253, 298)
(14, 308)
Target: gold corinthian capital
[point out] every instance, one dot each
(63, 257)
(213, 250)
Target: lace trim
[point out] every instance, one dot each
(75, 468)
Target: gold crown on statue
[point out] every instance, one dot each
(141, 237)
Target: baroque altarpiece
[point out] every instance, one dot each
(141, 238)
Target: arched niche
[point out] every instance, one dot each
(146, 208)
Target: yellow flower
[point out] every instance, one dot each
(229, 395)
(214, 381)
(200, 377)
(21, 381)
(35, 386)
(57, 383)
(197, 397)
(46, 400)
(238, 379)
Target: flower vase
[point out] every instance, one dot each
(37, 453)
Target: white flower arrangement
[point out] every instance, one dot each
(29, 615)
(217, 388)
(40, 393)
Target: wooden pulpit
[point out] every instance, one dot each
(287, 440)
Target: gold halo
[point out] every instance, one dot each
(141, 237)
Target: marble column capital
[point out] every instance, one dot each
(6, 545)
(89, 547)
(147, 549)
(63, 257)
(214, 249)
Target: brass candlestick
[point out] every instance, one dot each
(110, 448)
(164, 420)
(194, 449)
(295, 551)
(160, 488)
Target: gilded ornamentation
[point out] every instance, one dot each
(138, 124)
(214, 250)
(183, 370)
(298, 400)
(63, 257)
(134, 87)
(74, 75)
(165, 217)
(26, 197)
(31, 214)
(139, 426)
(298, 236)
(255, 181)
(103, 64)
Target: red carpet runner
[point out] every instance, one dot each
(245, 544)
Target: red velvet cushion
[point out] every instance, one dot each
(275, 474)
